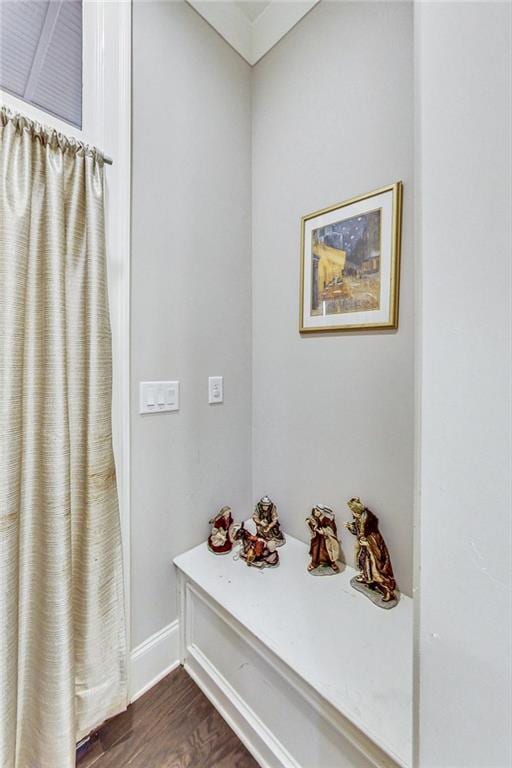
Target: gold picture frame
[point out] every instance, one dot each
(350, 264)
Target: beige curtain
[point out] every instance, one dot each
(62, 632)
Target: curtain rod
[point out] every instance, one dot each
(107, 160)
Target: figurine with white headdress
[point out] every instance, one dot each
(324, 549)
(267, 522)
(219, 540)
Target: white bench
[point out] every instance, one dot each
(307, 671)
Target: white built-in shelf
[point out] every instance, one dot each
(357, 656)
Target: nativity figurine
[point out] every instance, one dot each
(267, 522)
(255, 550)
(324, 549)
(219, 540)
(375, 578)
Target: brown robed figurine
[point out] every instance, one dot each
(375, 578)
(267, 522)
(255, 550)
(325, 547)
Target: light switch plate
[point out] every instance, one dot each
(159, 396)
(215, 389)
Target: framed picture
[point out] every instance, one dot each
(350, 263)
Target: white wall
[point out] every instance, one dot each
(332, 115)
(464, 63)
(332, 415)
(191, 295)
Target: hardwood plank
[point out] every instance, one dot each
(137, 720)
(238, 758)
(210, 742)
(172, 726)
(90, 753)
(169, 745)
(140, 716)
(166, 715)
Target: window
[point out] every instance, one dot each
(41, 55)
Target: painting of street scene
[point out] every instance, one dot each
(346, 265)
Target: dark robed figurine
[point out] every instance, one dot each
(267, 522)
(219, 540)
(324, 548)
(375, 578)
(256, 551)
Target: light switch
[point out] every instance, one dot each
(215, 389)
(159, 396)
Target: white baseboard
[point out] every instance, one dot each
(153, 659)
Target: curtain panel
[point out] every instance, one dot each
(62, 626)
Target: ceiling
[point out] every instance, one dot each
(252, 28)
(252, 8)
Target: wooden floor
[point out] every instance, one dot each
(172, 726)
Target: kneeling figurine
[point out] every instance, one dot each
(375, 578)
(219, 540)
(267, 522)
(325, 547)
(255, 550)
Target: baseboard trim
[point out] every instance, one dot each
(153, 659)
(254, 735)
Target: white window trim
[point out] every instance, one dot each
(106, 123)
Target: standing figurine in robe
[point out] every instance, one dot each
(267, 522)
(375, 578)
(219, 540)
(325, 547)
